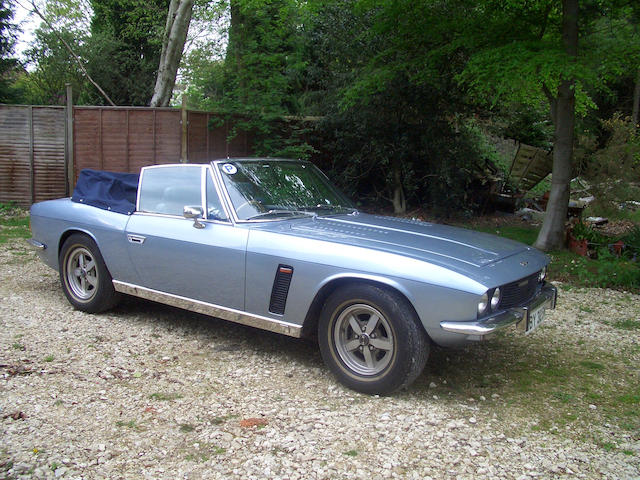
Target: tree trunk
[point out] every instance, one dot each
(551, 234)
(636, 102)
(399, 200)
(175, 36)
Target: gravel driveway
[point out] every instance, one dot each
(148, 391)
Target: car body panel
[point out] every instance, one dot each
(205, 264)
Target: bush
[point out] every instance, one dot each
(620, 155)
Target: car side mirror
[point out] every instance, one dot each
(194, 213)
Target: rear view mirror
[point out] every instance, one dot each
(194, 213)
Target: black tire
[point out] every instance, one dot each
(368, 354)
(86, 282)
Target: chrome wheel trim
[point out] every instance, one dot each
(82, 274)
(363, 339)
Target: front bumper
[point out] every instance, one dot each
(36, 244)
(477, 330)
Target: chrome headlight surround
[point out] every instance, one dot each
(495, 298)
(543, 274)
(489, 301)
(483, 304)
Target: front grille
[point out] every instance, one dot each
(520, 292)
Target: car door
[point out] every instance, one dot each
(202, 260)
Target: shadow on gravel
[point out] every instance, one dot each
(220, 335)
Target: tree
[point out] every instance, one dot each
(54, 68)
(8, 64)
(382, 75)
(175, 35)
(261, 75)
(528, 52)
(124, 48)
(563, 114)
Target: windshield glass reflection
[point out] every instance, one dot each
(264, 189)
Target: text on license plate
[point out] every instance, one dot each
(535, 318)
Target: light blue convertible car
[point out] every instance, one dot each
(273, 244)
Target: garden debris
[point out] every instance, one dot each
(629, 205)
(253, 422)
(596, 221)
(17, 415)
(13, 370)
(529, 214)
(616, 228)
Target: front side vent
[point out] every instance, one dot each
(280, 289)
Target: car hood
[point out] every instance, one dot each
(440, 244)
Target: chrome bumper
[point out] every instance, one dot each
(36, 244)
(476, 330)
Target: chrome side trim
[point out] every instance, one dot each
(489, 325)
(36, 244)
(210, 309)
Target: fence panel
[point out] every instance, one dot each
(49, 173)
(32, 154)
(197, 137)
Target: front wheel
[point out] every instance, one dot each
(84, 276)
(371, 339)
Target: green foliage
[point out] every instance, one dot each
(619, 156)
(119, 47)
(13, 226)
(8, 64)
(55, 67)
(125, 46)
(255, 85)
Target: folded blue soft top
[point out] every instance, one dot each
(112, 191)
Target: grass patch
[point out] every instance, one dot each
(165, 397)
(49, 358)
(14, 228)
(128, 424)
(222, 419)
(203, 452)
(588, 364)
(555, 386)
(628, 324)
(351, 453)
(186, 427)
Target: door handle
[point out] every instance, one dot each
(139, 239)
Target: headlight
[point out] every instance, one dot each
(483, 303)
(495, 298)
(543, 274)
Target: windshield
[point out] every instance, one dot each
(273, 189)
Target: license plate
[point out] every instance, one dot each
(535, 318)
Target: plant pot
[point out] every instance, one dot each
(618, 247)
(581, 247)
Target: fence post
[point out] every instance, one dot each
(32, 173)
(68, 141)
(185, 131)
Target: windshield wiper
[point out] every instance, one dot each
(276, 212)
(332, 208)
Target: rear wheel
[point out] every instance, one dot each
(371, 339)
(86, 282)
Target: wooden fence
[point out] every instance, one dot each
(42, 149)
(32, 154)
